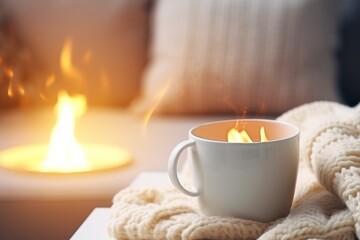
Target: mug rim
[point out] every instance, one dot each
(294, 135)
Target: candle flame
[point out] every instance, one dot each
(263, 137)
(243, 137)
(65, 153)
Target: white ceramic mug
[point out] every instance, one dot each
(253, 181)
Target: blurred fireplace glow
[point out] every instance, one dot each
(63, 153)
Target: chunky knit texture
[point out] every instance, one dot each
(326, 203)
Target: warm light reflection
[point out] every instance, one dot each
(243, 137)
(29, 158)
(66, 61)
(50, 80)
(156, 101)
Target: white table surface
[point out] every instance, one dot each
(95, 225)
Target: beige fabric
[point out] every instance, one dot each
(326, 203)
(109, 44)
(259, 56)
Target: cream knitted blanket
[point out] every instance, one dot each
(326, 203)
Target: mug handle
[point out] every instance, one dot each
(172, 167)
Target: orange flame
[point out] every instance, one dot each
(243, 137)
(65, 153)
(66, 61)
(10, 74)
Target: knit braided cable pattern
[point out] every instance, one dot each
(168, 214)
(334, 154)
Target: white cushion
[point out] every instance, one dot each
(256, 56)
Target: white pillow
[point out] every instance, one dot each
(236, 56)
